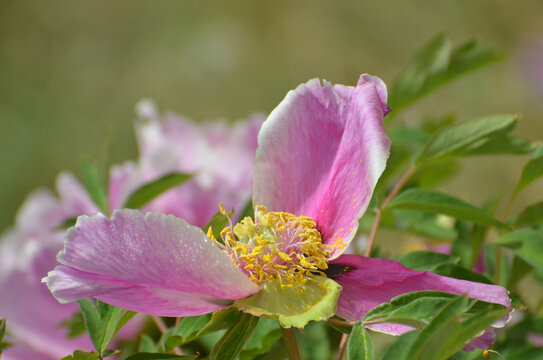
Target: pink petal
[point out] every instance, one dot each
(156, 264)
(373, 281)
(32, 313)
(74, 197)
(321, 152)
(40, 211)
(483, 341)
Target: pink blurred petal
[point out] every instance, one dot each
(156, 264)
(32, 313)
(221, 157)
(40, 211)
(74, 197)
(321, 152)
(373, 281)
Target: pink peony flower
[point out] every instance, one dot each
(166, 145)
(320, 154)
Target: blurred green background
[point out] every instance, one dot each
(72, 71)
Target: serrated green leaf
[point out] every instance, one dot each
(531, 215)
(231, 343)
(463, 136)
(531, 172)
(158, 356)
(359, 346)
(436, 202)
(527, 244)
(151, 190)
(435, 65)
(426, 260)
(92, 182)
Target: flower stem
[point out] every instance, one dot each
(290, 343)
(342, 346)
(388, 199)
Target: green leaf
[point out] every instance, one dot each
(447, 333)
(315, 342)
(151, 190)
(397, 351)
(435, 65)
(231, 343)
(531, 215)
(436, 202)
(426, 260)
(495, 145)
(158, 356)
(527, 244)
(463, 136)
(101, 321)
(222, 319)
(75, 325)
(415, 309)
(531, 172)
(264, 337)
(2, 328)
(359, 346)
(217, 223)
(84, 355)
(125, 318)
(91, 179)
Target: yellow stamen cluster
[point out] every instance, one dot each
(278, 247)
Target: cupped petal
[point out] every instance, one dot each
(368, 282)
(154, 263)
(321, 152)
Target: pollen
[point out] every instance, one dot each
(277, 247)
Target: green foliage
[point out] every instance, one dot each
(155, 356)
(217, 223)
(92, 182)
(3, 344)
(84, 355)
(532, 171)
(465, 138)
(146, 193)
(531, 215)
(75, 324)
(359, 346)
(447, 333)
(437, 202)
(435, 64)
(231, 343)
(102, 321)
(527, 244)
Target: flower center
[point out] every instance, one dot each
(277, 246)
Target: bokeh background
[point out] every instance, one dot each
(72, 71)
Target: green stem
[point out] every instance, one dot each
(290, 343)
(388, 199)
